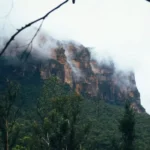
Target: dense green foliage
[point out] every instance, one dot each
(127, 128)
(54, 118)
(9, 111)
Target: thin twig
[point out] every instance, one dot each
(30, 43)
(36, 33)
(8, 13)
(28, 25)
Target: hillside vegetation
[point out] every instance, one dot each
(48, 115)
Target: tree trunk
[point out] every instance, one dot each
(6, 145)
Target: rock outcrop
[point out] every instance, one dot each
(74, 66)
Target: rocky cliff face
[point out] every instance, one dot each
(74, 66)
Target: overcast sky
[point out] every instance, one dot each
(116, 28)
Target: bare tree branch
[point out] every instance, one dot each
(30, 43)
(28, 25)
(73, 1)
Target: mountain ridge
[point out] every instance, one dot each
(73, 65)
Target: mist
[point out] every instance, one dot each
(117, 29)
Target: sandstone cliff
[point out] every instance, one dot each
(74, 66)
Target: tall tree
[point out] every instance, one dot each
(8, 114)
(59, 125)
(127, 128)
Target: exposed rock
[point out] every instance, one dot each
(74, 66)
